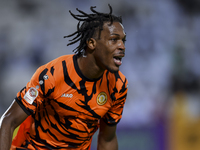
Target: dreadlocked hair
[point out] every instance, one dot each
(90, 24)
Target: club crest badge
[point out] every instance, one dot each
(31, 95)
(101, 98)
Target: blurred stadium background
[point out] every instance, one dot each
(162, 62)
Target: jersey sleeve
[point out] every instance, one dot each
(39, 88)
(114, 114)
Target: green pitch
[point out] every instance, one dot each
(15, 132)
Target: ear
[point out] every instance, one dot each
(91, 43)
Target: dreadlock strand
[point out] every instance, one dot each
(111, 19)
(74, 41)
(83, 44)
(81, 16)
(86, 15)
(73, 15)
(79, 34)
(78, 49)
(78, 26)
(94, 11)
(90, 34)
(110, 9)
(71, 34)
(110, 14)
(100, 27)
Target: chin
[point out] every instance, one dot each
(113, 70)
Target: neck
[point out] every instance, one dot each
(88, 67)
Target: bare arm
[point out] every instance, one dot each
(11, 119)
(107, 138)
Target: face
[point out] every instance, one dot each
(110, 48)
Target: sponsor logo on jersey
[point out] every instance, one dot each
(45, 77)
(31, 95)
(41, 82)
(67, 95)
(101, 98)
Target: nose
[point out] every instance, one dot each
(121, 45)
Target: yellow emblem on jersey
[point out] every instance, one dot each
(102, 98)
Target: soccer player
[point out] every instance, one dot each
(69, 98)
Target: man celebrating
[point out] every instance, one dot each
(69, 98)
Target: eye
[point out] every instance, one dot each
(114, 39)
(124, 40)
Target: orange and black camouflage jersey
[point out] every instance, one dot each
(65, 107)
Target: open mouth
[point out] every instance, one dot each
(118, 60)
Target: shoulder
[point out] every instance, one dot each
(53, 71)
(50, 75)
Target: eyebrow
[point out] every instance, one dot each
(118, 35)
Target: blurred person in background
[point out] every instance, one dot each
(69, 98)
